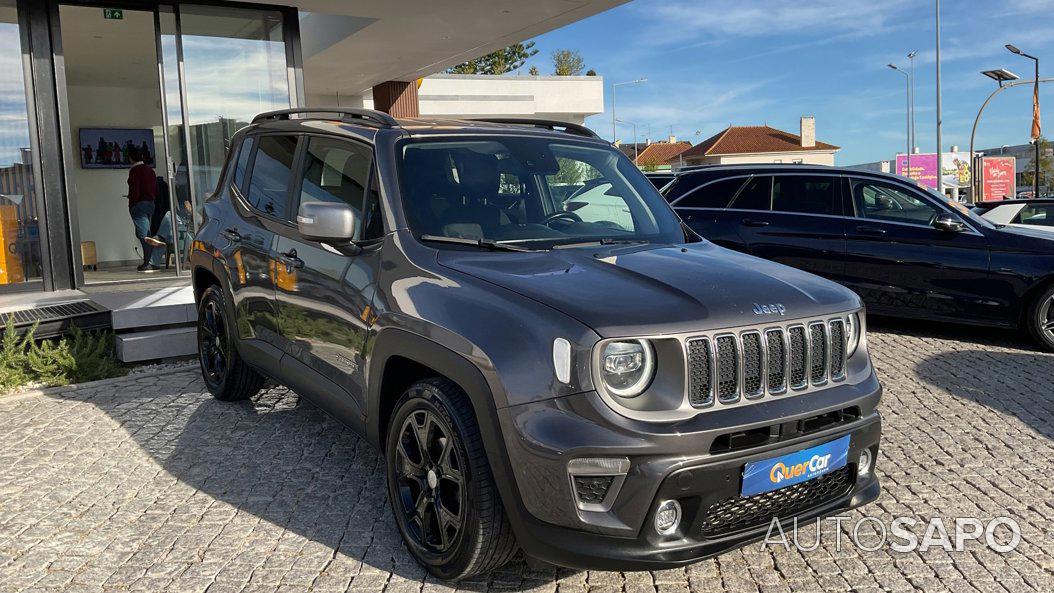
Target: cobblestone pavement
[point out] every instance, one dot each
(148, 484)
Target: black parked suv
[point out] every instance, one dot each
(547, 358)
(906, 251)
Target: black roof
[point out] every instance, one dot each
(715, 171)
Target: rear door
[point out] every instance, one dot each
(705, 210)
(794, 219)
(259, 190)
(325, 292)
(898, 263)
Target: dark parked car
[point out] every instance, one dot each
(547, 358)
(906, 251)
(659, 178)
(1034, 214)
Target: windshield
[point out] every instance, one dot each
(538, 192)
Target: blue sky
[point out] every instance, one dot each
(751, 62)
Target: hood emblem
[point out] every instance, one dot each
(773, 309)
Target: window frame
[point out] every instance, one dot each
(837, 203)
(372, 175)
(251, 170)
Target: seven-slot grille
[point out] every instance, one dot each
(751, 364)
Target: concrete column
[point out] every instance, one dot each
(397, 98)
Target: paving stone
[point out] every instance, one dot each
(149, 484)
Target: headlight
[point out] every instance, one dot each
(854, 328)
(627, 367)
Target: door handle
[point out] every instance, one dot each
(755, 222)
(870, 230)
(231, 234)
(291, 260)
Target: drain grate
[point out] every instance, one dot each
(53, 312)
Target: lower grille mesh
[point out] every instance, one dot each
(738, 513)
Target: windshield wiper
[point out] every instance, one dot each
(484, 243)
(598, 242)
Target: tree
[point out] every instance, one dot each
(499, 62)
(591, 72)
(1046, 167)
(568, 62)
(533, 71)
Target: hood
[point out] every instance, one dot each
(1043, 235)
(648, 290)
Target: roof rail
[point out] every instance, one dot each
(548, 124)
(348, 114)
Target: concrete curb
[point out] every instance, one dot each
(45, 391)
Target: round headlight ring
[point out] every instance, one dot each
(647, 371)
(855, 325)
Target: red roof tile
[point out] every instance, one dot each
(752, 139)
(660, 153)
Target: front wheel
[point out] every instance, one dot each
(226, 374)
(440, 486)
(1040, 318)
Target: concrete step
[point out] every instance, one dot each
(158, 343)
(170, 305)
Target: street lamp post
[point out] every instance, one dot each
(1002, 76)
(940, 164)
(1035, 137)
(614, 129)
(911, 59)
(907, 115)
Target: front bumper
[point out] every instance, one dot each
(681, 461)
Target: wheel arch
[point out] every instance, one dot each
(1030, 295)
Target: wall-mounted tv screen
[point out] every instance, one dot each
(111, 148)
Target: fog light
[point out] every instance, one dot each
(863, 465)
(668, 517)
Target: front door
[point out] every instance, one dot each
(325, 305)
(900, 264)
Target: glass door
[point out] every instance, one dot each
(118, 175)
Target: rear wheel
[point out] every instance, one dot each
(440, 486)
(226, 374)
(1040, 318)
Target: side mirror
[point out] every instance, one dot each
(949, 223)
(327, 221)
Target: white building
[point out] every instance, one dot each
(459, 96)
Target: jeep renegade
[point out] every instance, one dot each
(547, 357)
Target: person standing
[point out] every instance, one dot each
(142, 190)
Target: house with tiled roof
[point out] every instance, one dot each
(654, 156)
(759, 144)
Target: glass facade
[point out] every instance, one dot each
(20, 260)
(234, 67)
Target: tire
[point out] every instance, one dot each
(1039, 319)
(226, 374)
(432, 481)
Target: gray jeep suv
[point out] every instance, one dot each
(547, 357)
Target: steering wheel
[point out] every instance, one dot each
(562, 215)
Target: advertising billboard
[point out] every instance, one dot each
(956, 169)
(998, 177)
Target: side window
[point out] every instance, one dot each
(241, 167)
(806, 194)
(337, 171)
(373, 220)
(876, 200)
(715, 195)
(755, 195)
(1040, 214)
(272, 171)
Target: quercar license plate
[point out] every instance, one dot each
(794, 468)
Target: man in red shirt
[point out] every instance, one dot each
(142, 189)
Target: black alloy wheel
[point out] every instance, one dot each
(430, 482)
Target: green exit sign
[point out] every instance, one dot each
(115, 14)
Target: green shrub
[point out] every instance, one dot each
(81, 356)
